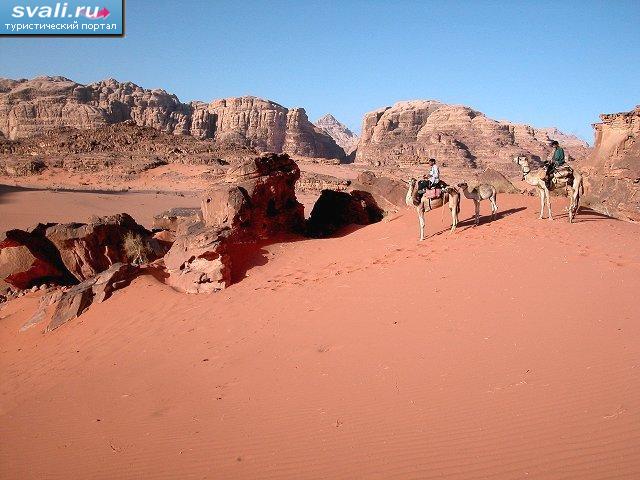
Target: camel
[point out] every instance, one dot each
(449, 195)
(483, 191)
(574, 188)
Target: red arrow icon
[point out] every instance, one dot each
(104, 13)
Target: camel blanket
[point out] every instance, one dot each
(433, 193)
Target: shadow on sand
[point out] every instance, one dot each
(585, 214)
(484, 219)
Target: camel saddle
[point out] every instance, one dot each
(433, 193)
(562, 175)
(430, 193)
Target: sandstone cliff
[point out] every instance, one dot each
(409, 133)
(339, 132)
(37, 106)
(612, 171)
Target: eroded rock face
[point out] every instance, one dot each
(344, 137)
(27, 260)
(255, 200)
(612, 171)
(389, 193)
(87, 249)
(409, 133)
(40, 105)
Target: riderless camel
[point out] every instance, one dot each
(483, 191)
(449, 195)
(574, 187)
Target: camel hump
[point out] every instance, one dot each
(484, 190)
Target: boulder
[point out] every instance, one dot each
(197, 261)
(389, 193)
(77, 299)
(334, 210)
(255, 200)
(87, 249)
(612, 171)
(28, 259)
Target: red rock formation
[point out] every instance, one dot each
(389, 193)
(612, 171)
(91, 248)
(410, 133)
(255, 200)
(34, 107)
(28, 260)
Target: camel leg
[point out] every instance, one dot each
(421, 222)
(546, 193)
(577, 202)
(541, 192)
(454, 218)
(571, 194)
(477, 212)
(494, 207)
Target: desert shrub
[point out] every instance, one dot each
(136, 248)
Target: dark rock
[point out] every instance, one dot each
(334, 210)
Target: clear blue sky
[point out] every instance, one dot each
(545, 63)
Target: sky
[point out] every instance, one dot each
(543, 63)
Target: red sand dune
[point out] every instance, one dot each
(506, 351)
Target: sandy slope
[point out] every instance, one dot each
(506, 351)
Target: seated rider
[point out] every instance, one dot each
(554, 160)
(434, 174)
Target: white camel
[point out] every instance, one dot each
(449, 195)
(483, 191)
(574, 187)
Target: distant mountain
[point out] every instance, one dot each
(564, 139)
(339, 132)
(37, 106)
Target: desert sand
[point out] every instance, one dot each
(504, 351)
(24, 207)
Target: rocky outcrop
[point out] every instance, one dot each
(28, 260)
(389, 193)
(87, 249)
(76, 300)
(409, 133)
(344, 137)
(612, 171)
(65, 254)
(255, 200)
(334, 210)
(40, 105)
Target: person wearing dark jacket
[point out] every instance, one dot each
(554, 160)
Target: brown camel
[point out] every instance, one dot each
(574, 187)
(449, 195)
